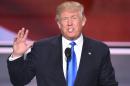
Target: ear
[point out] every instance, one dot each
(58, 24)
(84, 21)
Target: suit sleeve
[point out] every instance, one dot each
(107, 74)
(22, 71)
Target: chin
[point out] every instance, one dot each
(72, 38)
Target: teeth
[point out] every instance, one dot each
(70, 29)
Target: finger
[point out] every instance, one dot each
(22, 33)
(25, 35)
(18, 34)
(17, 37)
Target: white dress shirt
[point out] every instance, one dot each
(77, 48)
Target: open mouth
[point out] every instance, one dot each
(71, 30)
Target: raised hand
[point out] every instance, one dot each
(20, 45)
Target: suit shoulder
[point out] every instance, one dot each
(97, 44)
(47, 40)
(97, 47)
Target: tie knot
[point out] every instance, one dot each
(72, 43)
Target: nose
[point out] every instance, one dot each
(70, 22)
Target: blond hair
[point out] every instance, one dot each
(69, 5)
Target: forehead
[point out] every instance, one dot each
(70, 13)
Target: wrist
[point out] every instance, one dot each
(16, 54)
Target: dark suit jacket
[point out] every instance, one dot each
(45, 62)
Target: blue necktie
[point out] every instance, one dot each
(72, 67)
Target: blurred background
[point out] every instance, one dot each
(107, 21)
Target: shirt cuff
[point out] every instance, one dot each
(11, 58)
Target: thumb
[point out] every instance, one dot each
(30, 44)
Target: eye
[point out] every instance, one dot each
(74, 17)
(65, 19)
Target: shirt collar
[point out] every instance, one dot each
(78, 41)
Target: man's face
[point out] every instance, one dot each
(71, 24)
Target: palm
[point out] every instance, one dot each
(20, 45)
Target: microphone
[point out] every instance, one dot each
(68, 53)
(68, 58)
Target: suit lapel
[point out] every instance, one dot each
(86, 51)
(59, 69)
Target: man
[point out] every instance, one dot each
(47, 60)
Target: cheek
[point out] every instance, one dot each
(62, 25)
(79, 28)
(78, 25)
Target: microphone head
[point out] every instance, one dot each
(68, 53)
